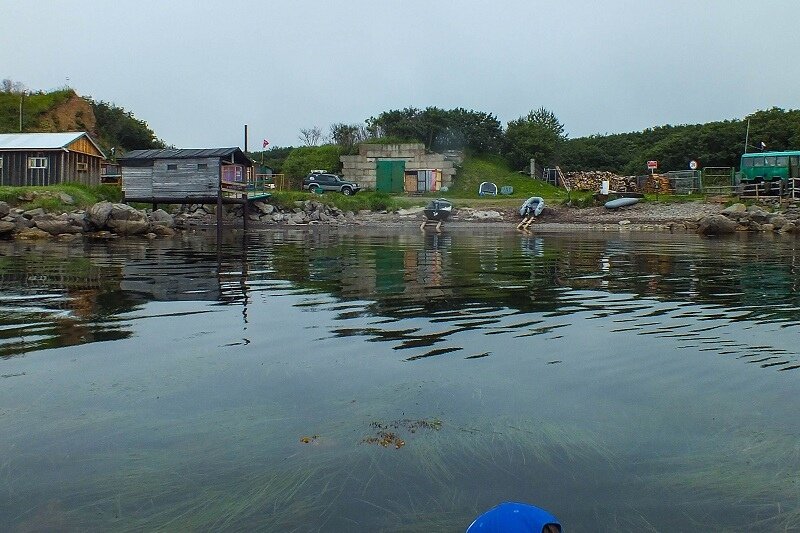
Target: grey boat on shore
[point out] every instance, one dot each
(438, 210)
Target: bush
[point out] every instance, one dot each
(373, 201)
(302, 160)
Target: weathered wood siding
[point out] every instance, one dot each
(137, 182)
(171, 178)
(61, 167)
(188, 178)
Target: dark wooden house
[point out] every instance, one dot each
(49, 158)
(178, 175)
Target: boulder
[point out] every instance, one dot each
(789, 227)
(277, 217)
(716, 225)
(66, 198)
(735, 210)
(298, 218)
(6, 228)
(778, 221)
(5, 209)
(33, 212)
(79, 219)
(159, 217)
(32, 234)
(125, 220)
(264, 208)
(99, 213)
(163, 231)
(23, 223)
(56, 225)
(757, 215)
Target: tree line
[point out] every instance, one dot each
(540, 135)
(113, 126)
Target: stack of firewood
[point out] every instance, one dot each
(592, 180)
(657, 183)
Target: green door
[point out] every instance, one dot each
(390, 175)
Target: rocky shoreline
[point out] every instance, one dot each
(110, 220)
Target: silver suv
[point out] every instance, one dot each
(329, 182)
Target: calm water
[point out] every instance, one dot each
(639, 382)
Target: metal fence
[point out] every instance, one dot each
(685, 181)
(719, 176)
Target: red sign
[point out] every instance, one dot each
(652, 165)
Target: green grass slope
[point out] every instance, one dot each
(495, 169)
(34, 106)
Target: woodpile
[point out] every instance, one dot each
(592, 180)
(657, 183)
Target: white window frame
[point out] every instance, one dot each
(37, 162)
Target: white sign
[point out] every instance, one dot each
(652, 165)
(693, 165)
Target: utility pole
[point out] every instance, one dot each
(747, 136)
(21, 96)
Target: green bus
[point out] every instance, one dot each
(760, 167)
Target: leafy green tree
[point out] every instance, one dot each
(306, 158)
(441, 129)
(273, 158)
(347, 136)
(120, 129)
(474, 131)
(537, 135)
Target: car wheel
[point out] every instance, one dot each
(347, 191)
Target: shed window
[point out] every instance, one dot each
(1, 163)
(782, 161)
(202, 166)
(37, 162)
(172, 166)
(82, 166)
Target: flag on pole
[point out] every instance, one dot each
(265, 144)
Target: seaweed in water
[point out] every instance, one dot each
(387, 433)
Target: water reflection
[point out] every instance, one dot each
(60, 294)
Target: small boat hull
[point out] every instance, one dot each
(438, 210)
(621, 202)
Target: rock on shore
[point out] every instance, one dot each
(104, 218)
(739, 217)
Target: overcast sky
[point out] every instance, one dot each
(197, 71)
